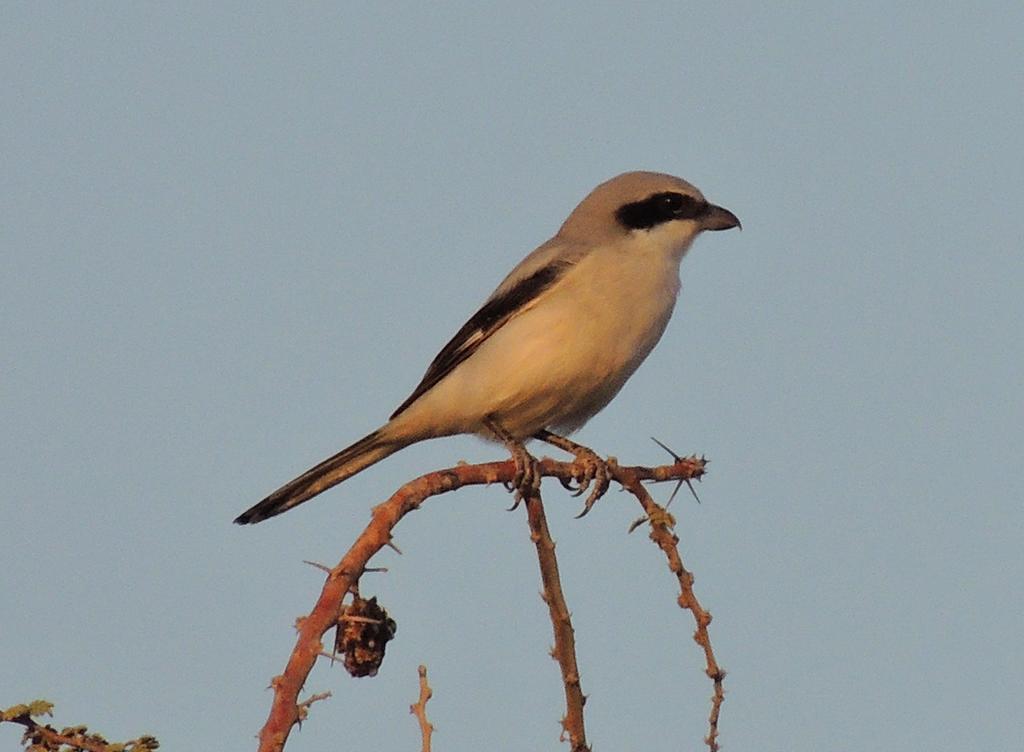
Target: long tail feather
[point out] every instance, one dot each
(330, 472)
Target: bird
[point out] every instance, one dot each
(552, 345)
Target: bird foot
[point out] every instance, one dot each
(591, 470)
(526, 479)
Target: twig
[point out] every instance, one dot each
(284, 710)
(41, 736)
(565, 641)
(305, 705)
(667, 541)
(419, 709)
(49, 736)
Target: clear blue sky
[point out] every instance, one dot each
(233, 236)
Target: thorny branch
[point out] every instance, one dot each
(565, 641)
(286, 712)
(661, 533)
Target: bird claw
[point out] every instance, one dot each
(596, 473)
(526, 479)
(589, 469)
(515, 499)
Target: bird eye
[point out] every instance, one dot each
(659, 208)
(673, 202)
(682, 206)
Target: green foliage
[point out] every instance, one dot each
(45, 738)
(34, 708)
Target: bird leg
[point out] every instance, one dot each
(594, 469)
(526, 480)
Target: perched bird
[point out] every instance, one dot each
(553, 344)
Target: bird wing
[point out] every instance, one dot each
(534, 275)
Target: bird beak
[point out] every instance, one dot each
(717, 218)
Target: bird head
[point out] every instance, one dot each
(663, 208)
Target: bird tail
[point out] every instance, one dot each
(330, 472)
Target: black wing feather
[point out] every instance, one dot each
(485, 322)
